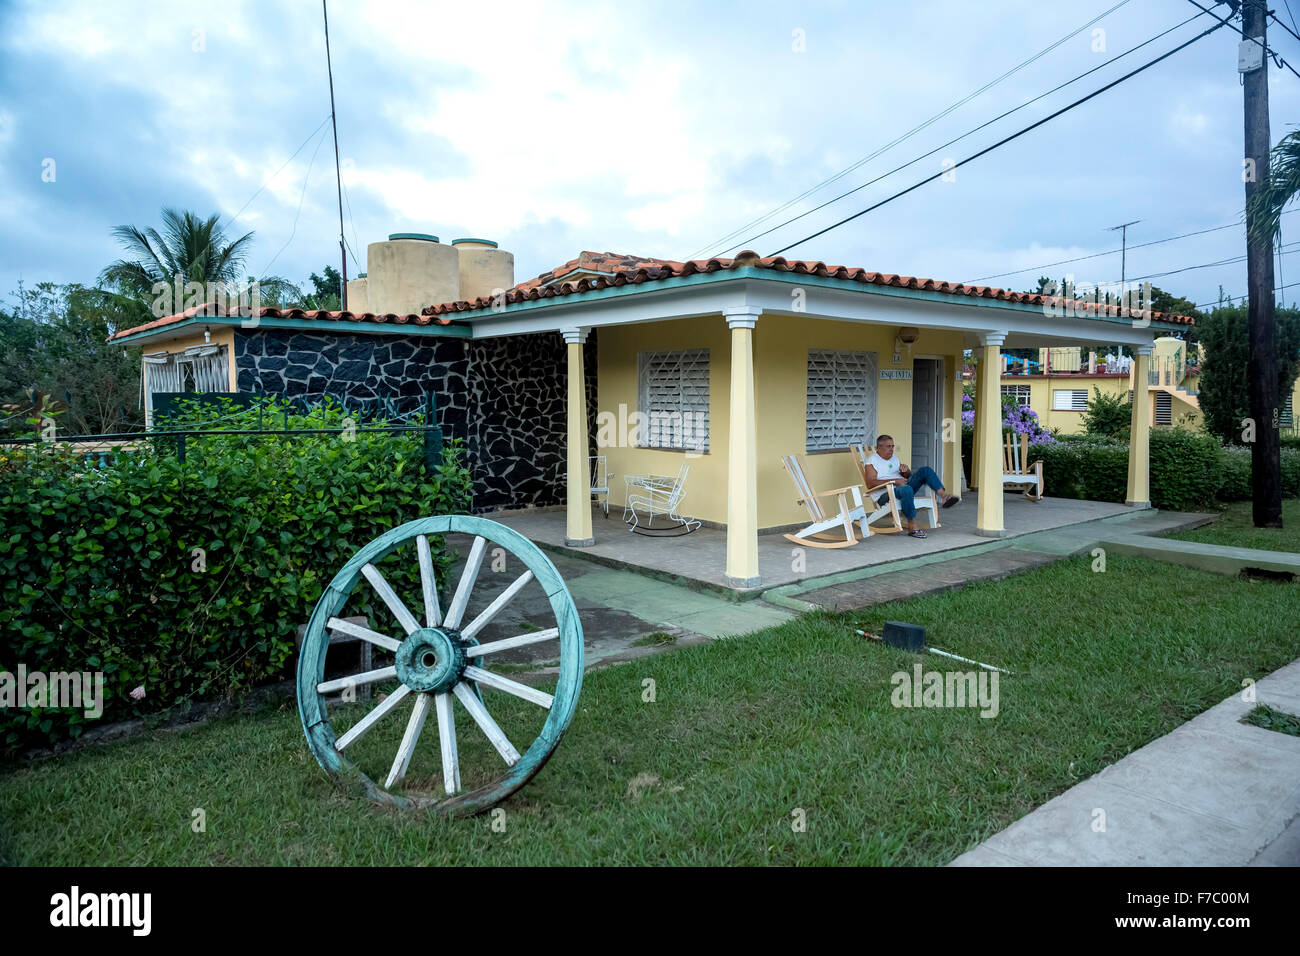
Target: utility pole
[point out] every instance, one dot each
(338, 174)
(1265, 459)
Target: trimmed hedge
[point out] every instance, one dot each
(1189, 470)
(99, 569)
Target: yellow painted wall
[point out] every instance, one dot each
(781, 347)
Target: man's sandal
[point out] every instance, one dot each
(950, 501)
(918, 533)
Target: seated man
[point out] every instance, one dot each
(884, 467)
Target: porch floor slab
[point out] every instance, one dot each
(700, 558)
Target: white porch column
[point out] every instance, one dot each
(1139, 442)
(742, 448)
(577, 533)
(988, 436)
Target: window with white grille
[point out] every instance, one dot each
(841, 399)
(1019, 392)
(1288, 412)
(1070, 399)
(674, 399)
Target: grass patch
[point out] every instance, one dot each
(1271, 719)
(742, 734)
(657, 639)
(1236, 529)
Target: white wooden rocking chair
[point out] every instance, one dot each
(600, 475)
(657, 495)
(1018, 471)
(923, 500)
(836, 530)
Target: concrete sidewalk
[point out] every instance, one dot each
(1214, 792)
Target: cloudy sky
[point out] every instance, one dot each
(651, 129)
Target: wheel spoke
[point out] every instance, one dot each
(506, 643)
(493, 609)
(456, 610)
(365, 677)
(372, 718)
(530, 694)
(356, 630)
(486, 723)
(407, 748)
(432, 613)
(390, 597)
(447, 738)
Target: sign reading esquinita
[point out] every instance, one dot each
(904, 373)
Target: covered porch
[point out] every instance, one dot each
(700, 558)
(744, 338)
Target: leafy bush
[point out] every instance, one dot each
(1108, 415)
(1077, 466)
(99, 568)
(1186, 469)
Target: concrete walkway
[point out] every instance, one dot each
(1214, 792)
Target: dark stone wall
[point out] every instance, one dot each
(505, 397)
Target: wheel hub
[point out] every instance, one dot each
(430, 660)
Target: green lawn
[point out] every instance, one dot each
(1236, 528)
(743, 733)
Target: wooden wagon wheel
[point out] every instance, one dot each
(439, 662)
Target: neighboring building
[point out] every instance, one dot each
(501, 396)
(1058, 386)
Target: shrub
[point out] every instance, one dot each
(1076, 467)
(100, 569)
(1186, 469)
(1107, 415)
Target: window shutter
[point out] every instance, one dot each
(674, 399)
(1164, 409)
(841, 399)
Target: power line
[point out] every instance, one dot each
(1273, 53)
(950, 142)
(1007, 139)
(301, 196)
(1230, 298)
(1287, 4)
(888, 146)
(1283, 25)
(1208, 265)
(271, 178)
(1111, 252)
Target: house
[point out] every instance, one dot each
(1059, 385)
(727, 364)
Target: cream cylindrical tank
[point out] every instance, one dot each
(357, 294)
(483, 268)
(410, 271)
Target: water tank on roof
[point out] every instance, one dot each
(409, 271)
(483, 267)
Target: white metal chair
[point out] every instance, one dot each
(923, 500)
(836, 531)
(600, 476)
(657, 495)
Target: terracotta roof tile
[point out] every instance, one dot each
(620, 270)
(211, 309)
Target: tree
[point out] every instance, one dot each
(1281, 187)
(53, 342)
(326, 291)
(188, 250)
(1223, 394)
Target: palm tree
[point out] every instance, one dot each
(1282, 186)
(188, 249)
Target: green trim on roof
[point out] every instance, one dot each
(303, 325)
(796, 279)
(413, 235)
(486, 242)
